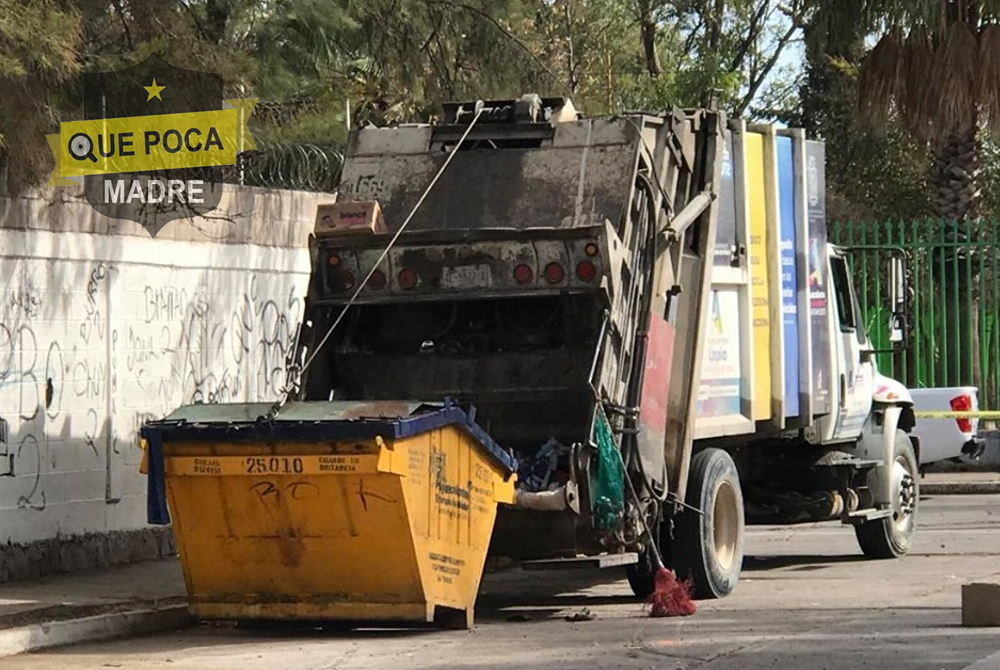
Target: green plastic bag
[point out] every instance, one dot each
(607, 478)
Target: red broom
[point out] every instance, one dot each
(670, 596)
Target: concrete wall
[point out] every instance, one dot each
(101, 328)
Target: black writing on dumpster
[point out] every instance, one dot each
(417, 465)
(454, 497)
(456, 504)
(296, 490)
(483, 474)
(339, 463)
(207, 466)
(364, 495)
(264, 489)
(445, 567)
(302, 490)
(480, 498)
(273, 465)
(449, 490)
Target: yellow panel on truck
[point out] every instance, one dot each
(759, 276)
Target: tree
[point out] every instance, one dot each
(731, 49)
(38, 55)
(872, 173)
(405, 57)
(936, 71)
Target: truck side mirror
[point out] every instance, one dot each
(897, 300)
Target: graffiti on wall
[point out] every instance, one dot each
(90, 352)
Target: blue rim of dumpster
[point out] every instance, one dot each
(422, 417)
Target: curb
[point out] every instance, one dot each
(960, 488)
(97, 628)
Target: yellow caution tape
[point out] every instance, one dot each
(957, 415)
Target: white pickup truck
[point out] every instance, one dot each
(946, 438)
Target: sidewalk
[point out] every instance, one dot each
(957, 483)
(89, 606)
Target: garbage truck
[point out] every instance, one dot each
(637, 326)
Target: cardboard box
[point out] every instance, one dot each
(342, 218)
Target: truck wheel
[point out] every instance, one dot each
(640, 575)
(709, 547)
(891, 537)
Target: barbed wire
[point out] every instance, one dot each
(302, 167)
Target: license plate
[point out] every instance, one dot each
(466, 276)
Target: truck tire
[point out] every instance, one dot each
(640, 575)
(891, 537)
(708, 548)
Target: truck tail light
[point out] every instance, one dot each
(590, 249)
(343, 281)
(333, 260)
(407, 279)
(962, 403)
(554, 273)
(378, 280)
(586, 271)
(522, 274)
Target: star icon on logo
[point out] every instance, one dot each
(154, 91)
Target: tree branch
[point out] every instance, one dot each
(430, 38)
(194, 17)
(571, 64)
(693, 35)
(121, 17)
(496, 24)
(756, 25)
(757, 80)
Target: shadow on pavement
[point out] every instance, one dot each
(797, 562)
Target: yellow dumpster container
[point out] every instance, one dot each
(351, 511)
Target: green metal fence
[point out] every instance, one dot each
(953, 271)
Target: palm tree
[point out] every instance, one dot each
(935, 70)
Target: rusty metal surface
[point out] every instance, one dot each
(626, 180)
(583, 178)
(462, 268)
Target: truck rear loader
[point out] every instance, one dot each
(643, 310)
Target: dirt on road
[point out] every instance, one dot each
(806, 600)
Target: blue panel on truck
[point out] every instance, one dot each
(725, 234)
(816, 203)
(789, 281)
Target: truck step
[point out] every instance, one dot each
(583, 562)
(840, 459)
(860, 516)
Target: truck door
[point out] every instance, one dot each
(855, 373)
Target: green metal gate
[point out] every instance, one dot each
(953, 330)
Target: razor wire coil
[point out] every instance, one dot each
(300, 167)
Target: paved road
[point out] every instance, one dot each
(806, 601)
